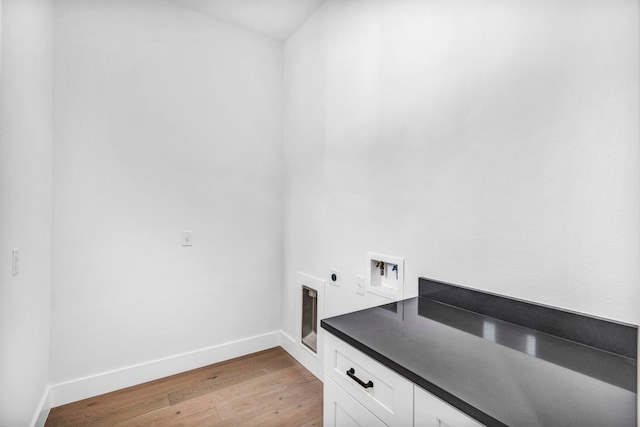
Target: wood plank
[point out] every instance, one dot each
(201, 419)
(283, 390)
(262, 389)
(315, 422)
(231, 374)
(184, 413)
(106, 410)
(270, 400)
(156, 391)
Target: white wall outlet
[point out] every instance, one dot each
(385, 276)
(15, 262)
(187, 238)
(334, 277)
(359, 285)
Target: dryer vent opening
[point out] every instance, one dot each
(310, 318)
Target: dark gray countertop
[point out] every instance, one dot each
(495, 371)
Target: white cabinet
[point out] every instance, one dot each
(342, 410)
(381, 391)
(359, 391)
(432, 412)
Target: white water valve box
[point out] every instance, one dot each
(385, 276)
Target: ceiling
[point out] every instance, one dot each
(276, 19)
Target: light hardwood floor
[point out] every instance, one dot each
(268, 388)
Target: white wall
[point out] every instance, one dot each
(491, 144)
(165, 120)
(25, 207)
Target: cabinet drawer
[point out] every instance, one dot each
(433, 412)
(390, 397)
(342, 410)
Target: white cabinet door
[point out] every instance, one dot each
(429, 411)
(342, 410)
(383, 392)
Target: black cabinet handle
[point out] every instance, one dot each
(352, 374)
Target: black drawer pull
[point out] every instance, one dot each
(352, 374)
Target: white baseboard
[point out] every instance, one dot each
(94, 385)
(306, 358)
(42, 412)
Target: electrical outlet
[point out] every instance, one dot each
(334, 277)
(359, 285)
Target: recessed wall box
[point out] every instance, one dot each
(310, 311)
(385, 276)
(309, 325)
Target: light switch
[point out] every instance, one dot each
(187, 238)
(15, 266)
(359, 285)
